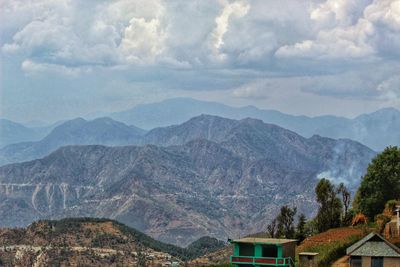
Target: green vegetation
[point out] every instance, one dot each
(330, 206)
(301, 228)
(330, 252)
(285, 222)
(380, 184)
(271, 228)
(147, 241)
(204, 245)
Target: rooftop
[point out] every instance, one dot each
(257, 240)
(373, 245)
(308, 253)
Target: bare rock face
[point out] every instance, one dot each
(209, 176)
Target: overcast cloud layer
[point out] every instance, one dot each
(61, 59)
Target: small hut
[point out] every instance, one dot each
(308, 259)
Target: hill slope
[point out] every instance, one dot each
(182, 192)
(85, 241)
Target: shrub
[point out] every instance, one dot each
(330, 252)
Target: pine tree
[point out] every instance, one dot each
(301, 228)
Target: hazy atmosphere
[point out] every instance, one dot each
(64, 59)
(209, 133)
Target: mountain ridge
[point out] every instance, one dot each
(178, 110)
(180, 192)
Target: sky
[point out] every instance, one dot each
(62, 59)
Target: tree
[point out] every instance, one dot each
(285, 221)
(380, 184)
(330, 206)
(301, 228)
(271, 228)
(346, 198)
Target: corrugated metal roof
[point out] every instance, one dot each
(376, 249)
(256, 240)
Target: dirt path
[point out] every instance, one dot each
(342, 262)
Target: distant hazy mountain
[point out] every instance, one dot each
(12, 132)
(103, 131)
(220, 177)
(376, 130)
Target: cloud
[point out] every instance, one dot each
(390, 89)
(354, 29)
(333, 13)
(279, 53)
(72, 34)
(257, 89)
(236, 9)
(342, 42)
(143, 40)
(158, 33)
(32, 68)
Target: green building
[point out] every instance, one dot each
(260, 252)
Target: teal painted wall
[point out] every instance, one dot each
(236, 250)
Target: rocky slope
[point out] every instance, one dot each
(229, 184)
(103, 131)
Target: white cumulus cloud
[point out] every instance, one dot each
(351, 29)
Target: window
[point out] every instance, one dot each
(355, 261)
(269, 251)
(246, 250)
(377, 262)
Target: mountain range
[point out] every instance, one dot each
(208, 176)
(375, 130)
(103, 131)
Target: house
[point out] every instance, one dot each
(373, 251)
(259, 252)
